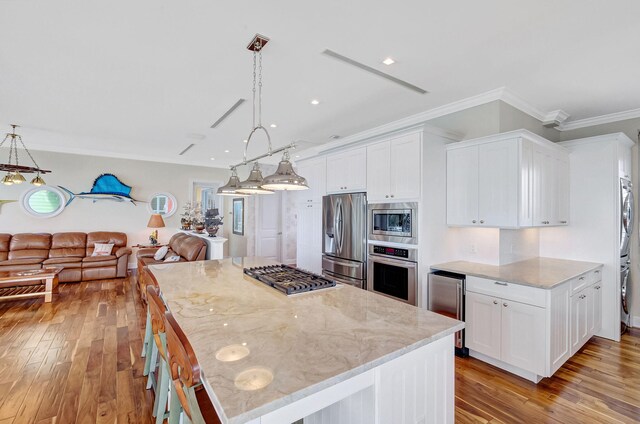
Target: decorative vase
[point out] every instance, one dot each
(198, 227)
(186, 223)
(212, 230)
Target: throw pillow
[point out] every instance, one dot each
(161, 253)
(172, 259)
(102, 249)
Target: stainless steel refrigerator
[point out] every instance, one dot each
(344, 238)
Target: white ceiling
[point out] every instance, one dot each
(135, 78)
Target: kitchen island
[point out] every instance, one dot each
(337, 355)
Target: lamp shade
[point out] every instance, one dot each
(285, 178)
(155, 221)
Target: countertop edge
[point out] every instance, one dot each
(293, 397)
(443, 267)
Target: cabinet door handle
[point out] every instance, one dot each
(500, 283)
(563, 222)
(505, 304)
(473, 222)
(482, 221)
(581, 278)
(495, 302)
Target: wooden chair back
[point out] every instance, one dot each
(157, 309)
(185, 373)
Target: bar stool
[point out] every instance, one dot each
(149, 349)
(190, 400)
(161, 382)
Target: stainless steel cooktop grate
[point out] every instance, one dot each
(289, 280)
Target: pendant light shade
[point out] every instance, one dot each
(285, 177)
(253, 184)
(7, 180)
(17, 178)
(232, 186)
(38, 181)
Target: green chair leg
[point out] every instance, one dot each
(148, 336)
(162, 393)
(175, 409)
(151, 366)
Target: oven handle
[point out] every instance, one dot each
(390, 261)
(345, 264)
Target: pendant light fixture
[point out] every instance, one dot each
(285, 178)
(13, 167)
(230, 189)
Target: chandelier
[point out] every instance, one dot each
(285, 177)
(13, 168)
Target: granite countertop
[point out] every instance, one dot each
(261, 350)
(543, 273)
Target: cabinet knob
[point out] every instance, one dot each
(473, 222)
(392, 196)
(597, 287)
(482, 221)
(386, 196)
(505, 304)
(581, 278)
(495, 302)
(597, 271)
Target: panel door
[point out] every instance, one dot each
(579, 320)
(379, 172)
(462, 186)
(543, 186)
(523, 336)
(498, 183)
(405, 164)
(269, 234)
(562, 191)
(347, 171)
(315, 171)
(596, 295)
(483, 324)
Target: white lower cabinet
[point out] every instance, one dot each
(495, 327)
(531, 331)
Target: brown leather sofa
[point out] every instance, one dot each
(190, 248)
(70, 251)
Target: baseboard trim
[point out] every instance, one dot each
(635, 322)
(528, 375)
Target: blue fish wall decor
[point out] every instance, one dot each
(105, 187)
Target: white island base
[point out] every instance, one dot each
(417, 387)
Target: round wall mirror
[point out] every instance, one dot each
(43, 202)
(163, 203)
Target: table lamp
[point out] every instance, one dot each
(155, 221)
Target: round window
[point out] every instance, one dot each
(43, 202)
(163, 203)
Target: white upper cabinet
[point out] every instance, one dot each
(347, 171)
(315, 171)
(393, 169)
(510, 180)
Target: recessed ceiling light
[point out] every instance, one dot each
(315, 102)
(245, 141)
(334, 137)
(273, 125)
(212, 158)
(226, 151)
(297, 156)
(388, 61)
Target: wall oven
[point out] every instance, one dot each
(394, 222)
(393, 272)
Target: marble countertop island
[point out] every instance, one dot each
(543, 273)
(260, 349)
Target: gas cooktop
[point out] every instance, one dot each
(288, 279)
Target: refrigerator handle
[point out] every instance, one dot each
(339, 226)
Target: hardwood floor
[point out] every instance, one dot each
(77, 360)
(600, 384)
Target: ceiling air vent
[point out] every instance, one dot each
(227, 113)
(187, 149)
(374, 71)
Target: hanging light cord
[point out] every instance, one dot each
(13, 148)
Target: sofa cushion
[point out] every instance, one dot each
(105, 237)
(99, 258)
(66, 261)
(65, 245)
(23, 261)
(189, 247)
(29, 246)
(103, 263)
(5, 239)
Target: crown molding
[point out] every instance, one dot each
(599, 120)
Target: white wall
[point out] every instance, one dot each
(77, 173)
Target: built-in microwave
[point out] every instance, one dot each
(394, 222)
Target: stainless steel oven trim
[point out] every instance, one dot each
(410, 206)
(413, 253)
(412, 282)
